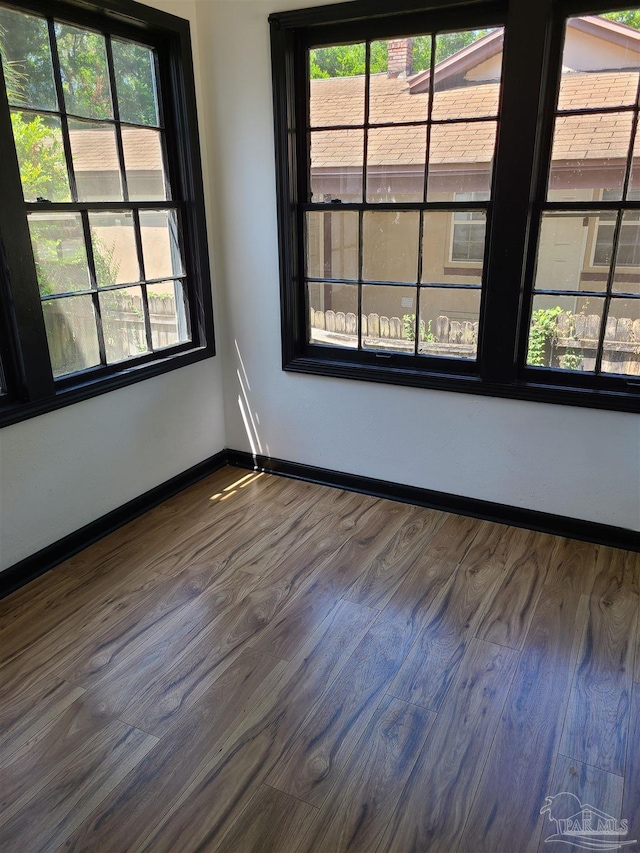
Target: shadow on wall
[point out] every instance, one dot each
(251, 420)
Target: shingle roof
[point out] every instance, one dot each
(95, 150)
(341, 101)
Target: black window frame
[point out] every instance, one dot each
(532, 64)
(31, 388)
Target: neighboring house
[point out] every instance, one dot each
(601, 58)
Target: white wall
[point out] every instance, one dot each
(576, 462)
(67, 468)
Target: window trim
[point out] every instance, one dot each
(30, 385)
(534, 37)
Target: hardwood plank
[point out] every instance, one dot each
(590, 786)
(573, 564)
(45, 755)
(272, 822)
(298, 525)
(120, 688)
(435, 568)
(80, 611)
(595, 728)
(237, 517)
(29, 706)
(360, 805)
(431, 812)
(319, 596)
(161, 623)
(87, 662)
(617, 569)
(157, 705)
(140, 542)
(135, 807)
(382, 576)
(316, 755)
(179, 512)
(34, 596)
(433, 660)
(218, 795)
(507, 619)
(505, 813)
(95, 769)
(631, 801)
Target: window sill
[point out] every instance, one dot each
(622, 401)
(15, 411)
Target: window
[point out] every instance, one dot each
(443, 226)
(106, 275)
(628, 241)
(469, 229)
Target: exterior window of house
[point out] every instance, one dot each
(629, 239)
(469, 229)
(591, 324)
(114, 259)
(442, 225)
(381, 195)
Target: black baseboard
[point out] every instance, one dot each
(37, 564)
(32, 567)
(545, 522)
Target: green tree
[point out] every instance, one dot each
(41, 158)
(348, 60)
(630, 18)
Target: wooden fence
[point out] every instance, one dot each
(576, 334)
(71, 329)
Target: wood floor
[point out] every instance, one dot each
(262, 665)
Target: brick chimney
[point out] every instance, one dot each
(400, 57)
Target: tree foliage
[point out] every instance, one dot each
(41, 158)
(348, 60)
(630, 18)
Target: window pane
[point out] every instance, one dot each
(390, 246)
(333, 314)
(59, 251)
(451, 239)
(449, 322)
(468, 86)
(114, 247)
(85, 76)
(589, 153)
(95, 161)
(460, 158)
(134, 68)
(564, 332)
(122, 313)
(168, 314)
(390, 97)
(563, 251)
(71, 333)
(626, 279)
(332, 245)
(160, 244)
(26, 60)
(337, 85)
(390, 314)
(622, 338)
(633, 190)
(594, 76)
(146, 179)
(336, 165)
(396, 163)
(43, 169)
